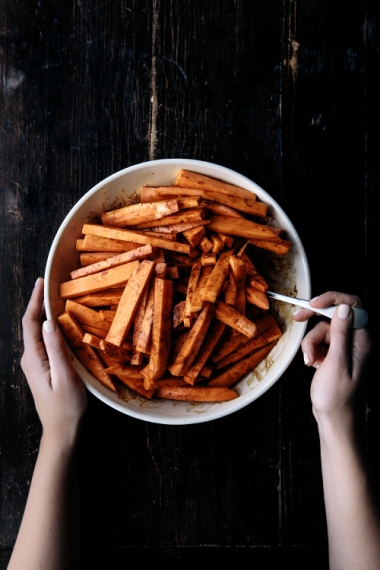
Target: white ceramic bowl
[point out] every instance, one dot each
(290, 276)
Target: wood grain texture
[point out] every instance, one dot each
(285, 93)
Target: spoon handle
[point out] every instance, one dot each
(360, 316)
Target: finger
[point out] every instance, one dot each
(31, 323)
(335, 298)
(301, 315)
(314, 345)
(341, 337)
(60, 364)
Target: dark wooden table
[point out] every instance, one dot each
(284, 92)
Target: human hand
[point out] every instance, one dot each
(339, 353)
(59, 393)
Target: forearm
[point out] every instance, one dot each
(351, 510)
(49, 532)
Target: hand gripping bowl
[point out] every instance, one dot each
(287, 274)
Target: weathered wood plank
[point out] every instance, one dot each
(283, 92)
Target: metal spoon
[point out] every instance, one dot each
(360, 316)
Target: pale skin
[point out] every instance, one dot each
(49, 536)
(339, 355)
(49, 533)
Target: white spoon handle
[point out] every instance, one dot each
(360, 316)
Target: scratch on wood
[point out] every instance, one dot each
(154, 97)
(16, 213)
(10, 78)
(153, 456)
(293, 62)
(293, 45)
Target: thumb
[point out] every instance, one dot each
(55, 346)
(341, 336)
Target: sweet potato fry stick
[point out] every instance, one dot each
(177, 342)
(217, 278)
(178, 314)
(170, 235)
(189, 179)
(229, 343)
(97, 243)
(215, 334)
(217, 243)
(205, 245)
(278, 231)
(170, 382)
(101, 299)
(208, 259)
(230, 292)
(85, 353)
(143, 338)
(86, 315)
(117, 353)
(129, 302)
(161, 270)
(236, 371)
(99, 281)
(280, 247)
(195, 235)
(206, 372)
(106, 360)
(189, 201)
(88, 258)
(189, 350)
(161, 332)
(107, 315)
(134, 236)
(229, 316)
(268, 336)
(246, 203)
(139, 213)
(244, 228)
(165, 382)
(196, 394)
(191, 286)
(222, 209)
(257, 297)
(134, 384)
(228, 240)
(196, 302)
(181, 217)
(129, 370)
(143, 252)
(137, 358)
(98, 342)
(94, 331)
(139, 317)
(180, 227)
(92, 340)
(237, 268)
(254, 279)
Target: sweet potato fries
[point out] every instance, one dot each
(167, 299)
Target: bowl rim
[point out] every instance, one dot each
(225, 408)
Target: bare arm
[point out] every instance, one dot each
(49, 533)
(339, 355)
